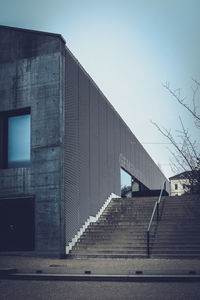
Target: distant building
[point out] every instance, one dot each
(179, 183)
(63, 148)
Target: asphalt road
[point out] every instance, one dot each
(53, 290)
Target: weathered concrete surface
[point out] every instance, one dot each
(30, 77)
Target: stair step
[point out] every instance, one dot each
(121, 230)
(110, 256)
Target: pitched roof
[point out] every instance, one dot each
(183, 175)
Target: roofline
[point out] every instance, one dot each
(178, 176)
(112, 107)
(34, 31)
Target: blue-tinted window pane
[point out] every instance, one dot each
(18, 141)
(126, 183)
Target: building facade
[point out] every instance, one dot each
(63, 147)
(180, 183)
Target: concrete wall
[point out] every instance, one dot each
(30, 76)
(97, 144)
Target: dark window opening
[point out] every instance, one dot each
(15, 138)
(176, 186)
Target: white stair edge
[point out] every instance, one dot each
(90, 220)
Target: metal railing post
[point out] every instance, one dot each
(156, 208)
(148, 244)
(157, 211)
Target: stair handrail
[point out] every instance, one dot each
(156, 208)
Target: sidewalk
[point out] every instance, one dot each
(17, 267)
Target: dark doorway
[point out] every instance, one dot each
(17, 226)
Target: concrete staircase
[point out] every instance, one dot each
(178, 232)
(120, 231)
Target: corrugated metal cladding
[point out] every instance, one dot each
(97, 144)
(71, 155)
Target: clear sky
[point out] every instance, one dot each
(129, 48)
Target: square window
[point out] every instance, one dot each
(15, 136)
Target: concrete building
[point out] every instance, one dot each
(63, 148)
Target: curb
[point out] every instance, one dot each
(7, 271)
(86, 277)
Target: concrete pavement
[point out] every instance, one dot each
(137, 279)
(101, 269)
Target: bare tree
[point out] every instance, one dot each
(194, 108)
(186, 154)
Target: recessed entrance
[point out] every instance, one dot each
(131, 186)
(17, 226)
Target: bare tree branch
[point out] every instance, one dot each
(177, 95)
(186, 155)
(168, 135)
